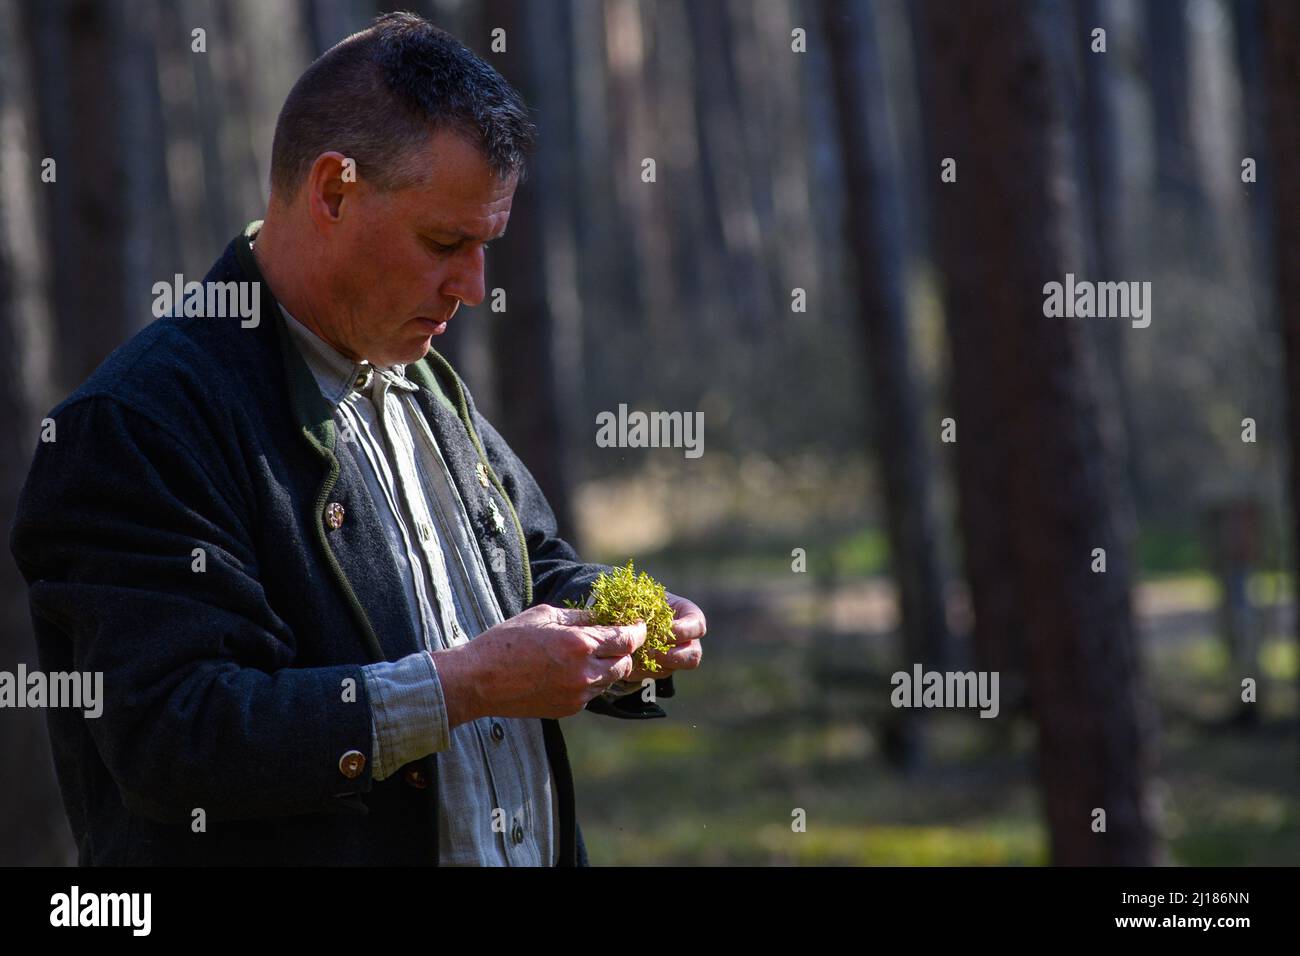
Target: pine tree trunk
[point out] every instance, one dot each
(77, 60)
(1103, 209)
(1282, 81)
(33, 828)
(523, 336)
(1033, 454)
(1169, 67)
(872, 216)
(983, 448)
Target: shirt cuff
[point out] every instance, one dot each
(408, 713)
(621, 688)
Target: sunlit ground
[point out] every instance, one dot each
(782, 718)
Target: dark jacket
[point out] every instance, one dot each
(230, 690)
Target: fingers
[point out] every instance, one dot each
(606, 640)
(615, 640)
(605, 671)
(682, 657)
(569, 616)
(688, 622)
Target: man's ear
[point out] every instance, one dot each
(328, 185)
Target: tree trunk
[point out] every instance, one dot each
(1033, 454)
(725, 171)
(1170, 68)
(78, 47)
(1281, 21)
(1248, 45)
(871, 222)
(1099, 121)
(33, 828)
(523, 336)
(983, 447)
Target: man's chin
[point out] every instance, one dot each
(406, 356)
(416, 356)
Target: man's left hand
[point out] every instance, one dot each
(688, 627)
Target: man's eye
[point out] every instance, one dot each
(442, 246)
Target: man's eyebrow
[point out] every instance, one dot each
(447, 231)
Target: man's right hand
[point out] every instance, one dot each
(545, 662)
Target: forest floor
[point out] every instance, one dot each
(790, 711)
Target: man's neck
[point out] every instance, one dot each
(269, 252)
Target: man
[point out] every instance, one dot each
(320, 587)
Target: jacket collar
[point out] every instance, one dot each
(336, 374)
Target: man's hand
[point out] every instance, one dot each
(545, 662)
(688, 627)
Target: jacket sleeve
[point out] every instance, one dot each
(203, 707)
(558, 573)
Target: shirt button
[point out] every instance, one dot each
(416, 778)
(518, 834)
(352, 763)
(481, 473)
(425, 531)
(334, 515)
(455, 631)
(498, 732)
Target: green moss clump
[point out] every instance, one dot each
(622, 597)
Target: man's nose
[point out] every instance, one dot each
(465, 280)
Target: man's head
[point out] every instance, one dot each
(437, 141)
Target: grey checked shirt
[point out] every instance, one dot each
(495, 787)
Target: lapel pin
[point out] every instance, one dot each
(498, 522)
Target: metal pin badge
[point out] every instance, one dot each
(498, 522)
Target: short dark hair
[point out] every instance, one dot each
(381, 93)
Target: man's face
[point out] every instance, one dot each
(403, 261)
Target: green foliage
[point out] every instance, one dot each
(1164, 551)
(623, 597)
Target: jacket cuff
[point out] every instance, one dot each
(631, 706)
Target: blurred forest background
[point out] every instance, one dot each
(799, 271)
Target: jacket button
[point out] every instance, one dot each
(352, 763)
(416, 778)
(334, 515)
(498, 732)
(518, 834)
